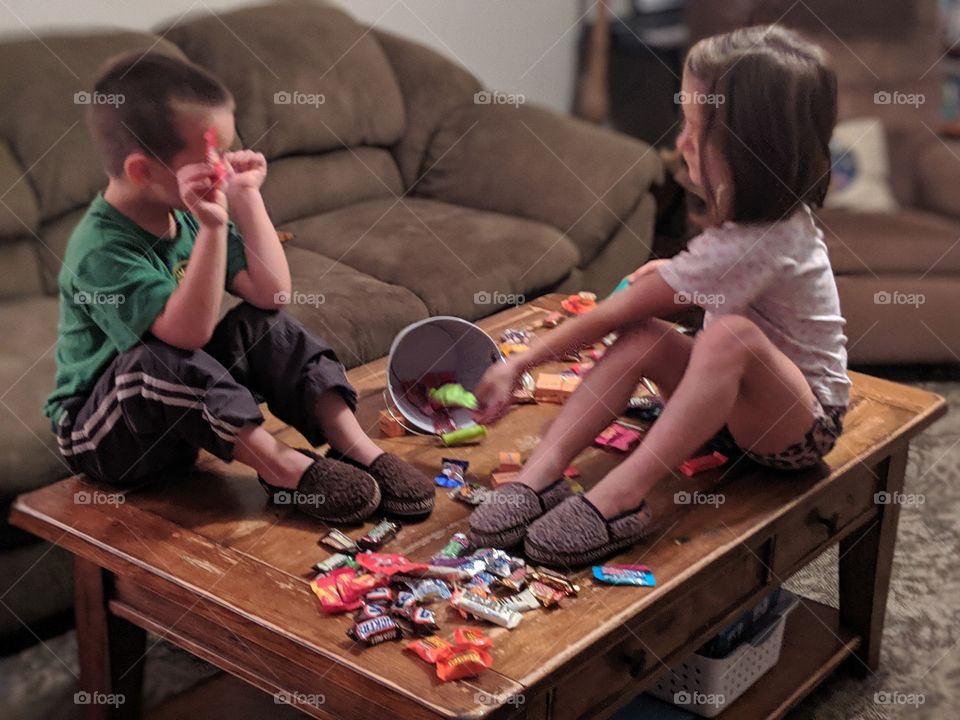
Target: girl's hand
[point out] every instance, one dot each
(247, 171)
(495, 391)
(646, 269)
(199, 193)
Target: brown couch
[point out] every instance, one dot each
(888, 46)
(406, 194)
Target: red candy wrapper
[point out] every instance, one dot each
(429, 648)
(465, 635)
(214, 157)
(461, 661)
(387, 563)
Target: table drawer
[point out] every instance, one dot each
(819, 524)
(651, 646)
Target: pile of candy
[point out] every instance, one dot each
(389, 594)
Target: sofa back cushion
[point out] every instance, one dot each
(306, 77)
(44, 89)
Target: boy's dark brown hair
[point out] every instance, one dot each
(143, 119)
(775, 109)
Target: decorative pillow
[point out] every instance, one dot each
(861, 167)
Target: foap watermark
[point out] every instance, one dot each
(288, 697)
(899, 498)
(82, 297)
(895, 97)
(685, 697)
(896, 697)
(498, 699)
(300, 499)
(682, 497)
(296, 97)
(97, 497)
(498, 298)
(895, 297)
(495, 97)
(699, 98)
(82, 697)
(299, 298)
(684, 297)
(82, 97)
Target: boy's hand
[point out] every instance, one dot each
(495, 391)
(247, 171)
(202, 198)
(646, 269)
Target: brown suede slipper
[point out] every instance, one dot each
(502, 519)
(576, 533)
(406, 493)
(330, 491)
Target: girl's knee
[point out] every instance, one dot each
(730, 336)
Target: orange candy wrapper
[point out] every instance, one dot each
(343, 590)
(465, 635)
(462, 661)
(429, 648)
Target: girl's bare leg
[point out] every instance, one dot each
(653, 349)
(735, 377)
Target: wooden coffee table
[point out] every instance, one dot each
(205, 563)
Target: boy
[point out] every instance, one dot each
(145, 373)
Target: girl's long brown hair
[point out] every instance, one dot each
(771, 124)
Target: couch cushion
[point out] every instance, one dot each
(357, 314)
(52, 243)
(28, 448)
(43, 117)
(303, 185)
(904, 242)
(19, 214)
(278, 59)
(532, 163)
(20, 273)
(445, 254)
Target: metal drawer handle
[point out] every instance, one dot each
(635, 662)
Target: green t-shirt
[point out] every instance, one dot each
(115, 280)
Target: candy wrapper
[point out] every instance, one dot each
(423, 621)
(638, 575)
(375, 631)
(214, 158)
(462, 661)
(429, 648)
(334, 562)
(465, 635)
(343, 590)
(469, 493)
(340, 542)
(431, 589)
(452, 472)
(368, 611)
(485, 609)
(452, 395)
(521, 602)
(379, 535)
(387, 563)
(456, 547)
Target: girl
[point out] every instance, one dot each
(769, 367)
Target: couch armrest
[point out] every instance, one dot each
(540, 165)
(938, 176)
(431, 86)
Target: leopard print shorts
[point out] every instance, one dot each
(819, 440)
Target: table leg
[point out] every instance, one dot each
(110, 650)
(866, 561)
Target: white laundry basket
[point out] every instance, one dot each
(706, 686)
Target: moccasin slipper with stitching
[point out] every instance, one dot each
(501, 520)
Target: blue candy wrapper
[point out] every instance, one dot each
(638, 575)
